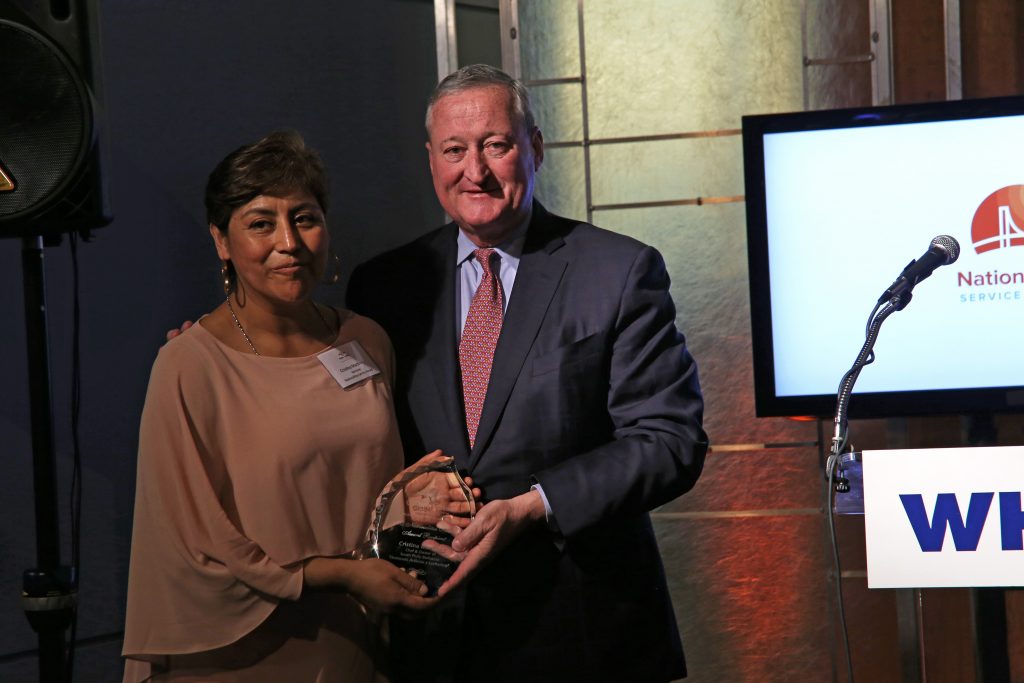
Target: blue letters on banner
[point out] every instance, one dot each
(930, 535)
(1011, 520)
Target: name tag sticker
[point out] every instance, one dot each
(348, 364)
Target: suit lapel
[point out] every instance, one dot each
(537, 279)
(442, 351)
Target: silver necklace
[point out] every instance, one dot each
(245, 335)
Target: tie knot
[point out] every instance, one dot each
(485, 257)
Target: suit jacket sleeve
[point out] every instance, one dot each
(655, 407)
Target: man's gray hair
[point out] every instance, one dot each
(482, 76)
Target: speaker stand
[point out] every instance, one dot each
(49, 591)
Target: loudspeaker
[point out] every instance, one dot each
(50, 153)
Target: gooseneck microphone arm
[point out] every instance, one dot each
(942, 251)
(866, 356)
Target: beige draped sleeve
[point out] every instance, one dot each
(247, 466)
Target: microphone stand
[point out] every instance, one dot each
(835, 465)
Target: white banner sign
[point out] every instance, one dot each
(944, 517)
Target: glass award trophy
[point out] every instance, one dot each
(407, 513)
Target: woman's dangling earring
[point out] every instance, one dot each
(227, 274)
(336, 274)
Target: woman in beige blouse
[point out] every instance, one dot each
(257, 466)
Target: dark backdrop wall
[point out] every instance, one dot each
(186, 81)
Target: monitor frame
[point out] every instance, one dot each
(869, 404)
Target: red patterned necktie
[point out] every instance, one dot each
(479, 337)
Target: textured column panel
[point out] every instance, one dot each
(560, 185)
(838, 29)
(839, 85)
(558, 110)
(663, 66)
(762, 480)
(872, 626)
(549, 39)
(665, 169)
(749, 597)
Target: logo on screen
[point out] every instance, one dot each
(999, 220)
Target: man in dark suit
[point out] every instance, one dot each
(585, 415)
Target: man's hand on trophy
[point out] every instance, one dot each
(454, 526)
(495, 526)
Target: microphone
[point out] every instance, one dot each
(942, 251)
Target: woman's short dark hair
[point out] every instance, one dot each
(278, 164)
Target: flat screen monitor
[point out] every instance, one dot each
(838, 203)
